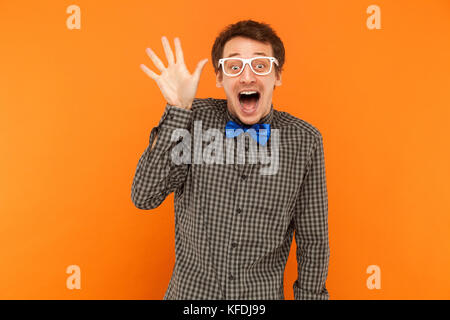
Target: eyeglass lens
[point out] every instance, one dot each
(259, 66)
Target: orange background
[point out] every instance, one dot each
(76, 113)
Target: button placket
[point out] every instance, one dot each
(233, 271)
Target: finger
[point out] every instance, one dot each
(179, 51)
(199, 68)
(167, 50)
(158, 63)
(149, 72)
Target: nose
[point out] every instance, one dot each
(247, 75)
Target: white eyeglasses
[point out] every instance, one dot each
(233, 67)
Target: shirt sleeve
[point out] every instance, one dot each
(311, 229)
(156, 175)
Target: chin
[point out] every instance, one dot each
(249, 119)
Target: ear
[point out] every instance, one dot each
(219, 79)
(278, 78)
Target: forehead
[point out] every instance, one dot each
(245, 47)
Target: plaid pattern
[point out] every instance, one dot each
(233, 226)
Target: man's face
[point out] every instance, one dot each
(249, 111)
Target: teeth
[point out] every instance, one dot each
(248, 92)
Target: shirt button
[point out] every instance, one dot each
(234, 245)
(239, 210)
(231, 277)
(244, 177)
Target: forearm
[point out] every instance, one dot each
(156, 175)
(313, 259)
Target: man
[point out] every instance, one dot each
(234, 223)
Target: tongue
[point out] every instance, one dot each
(248, 103)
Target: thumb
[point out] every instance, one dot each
(199, 68)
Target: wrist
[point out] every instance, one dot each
(184, 106)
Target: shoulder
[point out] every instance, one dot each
(287, 121)
(209, 110)
(208, 104)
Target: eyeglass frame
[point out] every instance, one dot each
(247, 61)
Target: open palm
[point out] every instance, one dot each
(177, 85)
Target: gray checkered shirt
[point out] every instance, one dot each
(233, 225)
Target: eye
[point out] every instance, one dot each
(235, 67)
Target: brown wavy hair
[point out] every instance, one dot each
(258, 31)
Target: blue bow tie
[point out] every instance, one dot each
(260, 137)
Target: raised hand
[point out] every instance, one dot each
(177, 85)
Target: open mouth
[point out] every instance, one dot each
(249, 100)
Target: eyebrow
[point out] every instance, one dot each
(257, 53)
